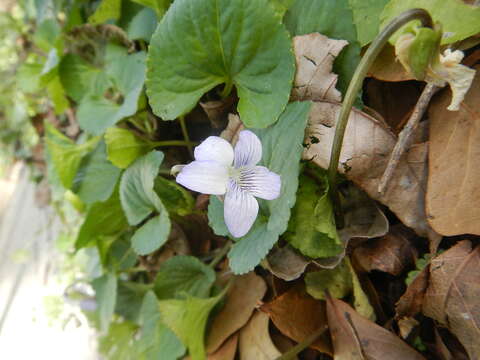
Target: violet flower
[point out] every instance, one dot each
(218, 169)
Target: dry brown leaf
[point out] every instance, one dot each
(255, 342)
(226, 351)
(233, 128)
(453, 294)
(453, 191)
(242, 298)
(217, 110)
(366, 148)
(285, 263)
(298, 315)
(314, 56)
(387, 68)
(355, 337)
(411, 302)
(392, 253)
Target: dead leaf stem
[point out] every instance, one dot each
(356, 83)
(405, 136)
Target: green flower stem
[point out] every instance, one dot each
(221, 254)
(355, 85)
(183, 125)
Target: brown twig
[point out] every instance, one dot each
(405, 136)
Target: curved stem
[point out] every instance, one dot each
(220, 255)
(227, 89)
(356, 83)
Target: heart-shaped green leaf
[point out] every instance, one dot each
(200, 44)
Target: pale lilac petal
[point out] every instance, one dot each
(214, 148)
(248, 151)
(240, 210)
(207, 177)
(260, 182)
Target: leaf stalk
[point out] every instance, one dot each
(355, 86)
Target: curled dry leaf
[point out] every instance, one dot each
(217, 110)
(411, 302)
(355, 337)
(227, 350)
(392, 253)
(387, 68)
(453, 293)
(298, 315)
(453, 192)
(233, 128)
(366, 148)
(285, 263)
(242, 298)
(255, 342)
(314, 56)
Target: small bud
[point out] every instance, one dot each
(418, 50)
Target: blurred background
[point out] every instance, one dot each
(40, 280)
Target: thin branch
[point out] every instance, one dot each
(405, 136)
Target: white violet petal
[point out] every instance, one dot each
(240, 210)
(260, 182)
(214, 148)
(248, 150)
(207, 177)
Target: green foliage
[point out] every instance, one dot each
(184, 275)
(65, 154)
(106, 294)
(312, 229)
(136, 188)
(152, 235)
(285, 161)
(156, 341)
(78, 77)
(366, 16)
(340, 282)
(458, 19)
(176, 199)
(333, 19)
(181, 316)
(142, 25)
(107, 10)
(118, 97)
(118, 342)
(103, 219)
(337, 281)
(123, 146)
(423, 50)
(236, 42)
(215, 216)
(139, 200)
(159, 6)
(96, 178)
